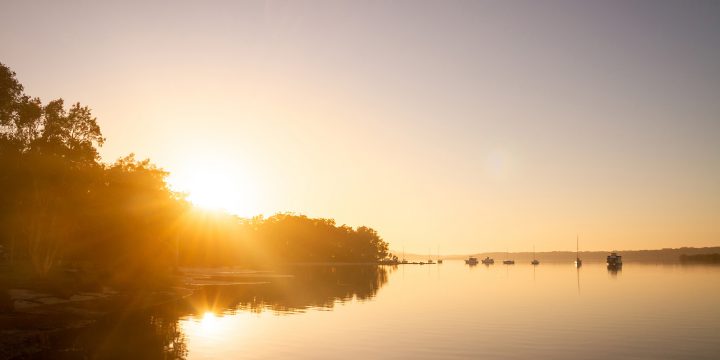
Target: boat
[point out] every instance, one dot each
(509, 262)
(439, 260)
(535, 261)
(614, 260)
(578, 262)
(471, 260)
(488, 261)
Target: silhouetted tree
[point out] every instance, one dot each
(62, 206)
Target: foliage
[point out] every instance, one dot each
(281, 238)
(62, 207)
(701, 258)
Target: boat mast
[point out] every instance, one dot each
(577, 247)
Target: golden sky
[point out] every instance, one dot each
(468, 126)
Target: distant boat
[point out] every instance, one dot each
(509, 262)
(535, 261)
(471, 260)
(439, 260)
(614, 260)
(488, 261)
(578, 262)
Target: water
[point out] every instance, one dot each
(437, 312)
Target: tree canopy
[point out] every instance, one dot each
(62, 207)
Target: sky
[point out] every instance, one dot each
(450, 126)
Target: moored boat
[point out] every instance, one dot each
(488, 261)
(471, 260)
(509, 261)
(614, 260)
(578, 262)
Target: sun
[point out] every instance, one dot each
(216, 188)
(212, 191)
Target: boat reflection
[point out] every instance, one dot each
(614, 270)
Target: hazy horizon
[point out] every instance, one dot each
(468, 126)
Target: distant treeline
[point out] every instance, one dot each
(701, 258)
(660, 255)
(62, 207)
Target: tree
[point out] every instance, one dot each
(49, 163)
(61, 205)
(10, 93)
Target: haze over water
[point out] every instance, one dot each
(552, 311)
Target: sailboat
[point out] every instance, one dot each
(509, 261)
(578, 262)
(535, 261)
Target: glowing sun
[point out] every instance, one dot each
(213, 188)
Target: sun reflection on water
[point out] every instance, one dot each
(209, 321)
(207, 325)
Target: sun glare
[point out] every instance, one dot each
(209, 320)
(215, 188)
(211, 191)
(208, 326)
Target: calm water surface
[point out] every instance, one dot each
(551, 311)
(455, 311)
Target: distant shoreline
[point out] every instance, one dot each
(660, 255)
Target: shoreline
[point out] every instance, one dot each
(38, 317)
